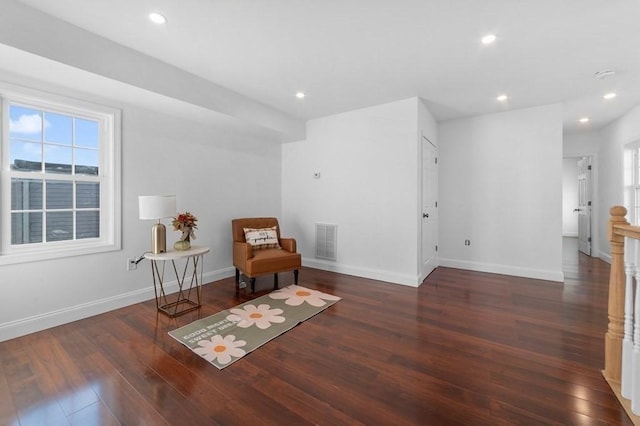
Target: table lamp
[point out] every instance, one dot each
(156, 207)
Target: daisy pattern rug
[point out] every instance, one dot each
(227, 336)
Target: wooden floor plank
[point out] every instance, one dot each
(8, 410)
(94, 414)
(120, 397)
(65, 383)
(464, 348)
(31, 387)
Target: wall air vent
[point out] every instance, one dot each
(326, 241)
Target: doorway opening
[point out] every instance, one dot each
(577, 204)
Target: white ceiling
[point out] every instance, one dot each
(348, 54)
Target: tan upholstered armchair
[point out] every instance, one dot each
(259, 256)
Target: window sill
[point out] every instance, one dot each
(58, 253)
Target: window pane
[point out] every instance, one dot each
(26, 194)
(86, 161)
(87, 224)
(86, 133)
(59, 195)
(59, 226)
(25, 123)
(87, 195)
(25, 156)
(58, 128)
(57, 159)
(26, 228)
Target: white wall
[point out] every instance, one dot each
(579, 144)
(428, 126)
(569, 196)
(213, 177)
(615, 136)
(368, 161)
(501, 188)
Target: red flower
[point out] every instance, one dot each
(184, 220)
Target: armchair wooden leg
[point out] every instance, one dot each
(275, 281)
(295, 277)
(237, 282)
(252, 280)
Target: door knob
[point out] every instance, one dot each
(577, 210)
(425, 215)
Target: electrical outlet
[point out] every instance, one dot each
(132, 264)
(467, 242)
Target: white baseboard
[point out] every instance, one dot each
(539, 274)
(415, 281)
(570, 234)
(47, 320)
(374, 274)
(50, 319)
(606, 257)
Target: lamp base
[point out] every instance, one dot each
(158, 238)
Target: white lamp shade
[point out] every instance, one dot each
(156, 206)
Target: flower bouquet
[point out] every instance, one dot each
(185, 223)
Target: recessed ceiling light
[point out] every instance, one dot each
(488, 39)
(502, 98)
(300, 95)
(157, 18)
(610, 95)
(584, 120)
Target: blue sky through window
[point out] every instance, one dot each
(25, 123)
(58, 128)
(86, 133)
(58, 138)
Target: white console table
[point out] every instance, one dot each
(186, 299)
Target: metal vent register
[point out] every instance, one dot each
(326, 241)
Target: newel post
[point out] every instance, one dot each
(615, 332)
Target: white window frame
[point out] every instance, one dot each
(109, 120)
(634, 206)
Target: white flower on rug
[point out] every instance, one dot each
(297, 295)
(221, 348)
(262, 316)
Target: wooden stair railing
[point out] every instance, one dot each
(618, 229)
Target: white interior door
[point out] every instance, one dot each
(584, 205)
(429, 207)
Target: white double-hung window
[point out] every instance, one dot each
(60, 185)
(632, 182)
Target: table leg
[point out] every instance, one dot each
(183, 296)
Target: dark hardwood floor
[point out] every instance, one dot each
(464, 348)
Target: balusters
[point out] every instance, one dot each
(615, 330)
(630, 262)
(633, 375)
(622, 340)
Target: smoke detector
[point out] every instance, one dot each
(601, 75)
